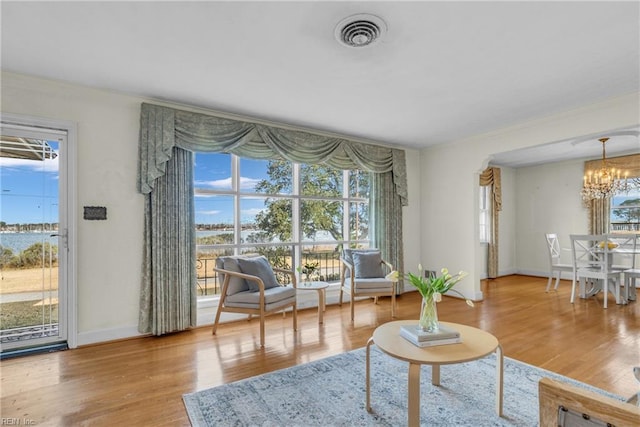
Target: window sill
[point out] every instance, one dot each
(208, 305)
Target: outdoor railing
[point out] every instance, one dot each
(209, 282)
(625, 226)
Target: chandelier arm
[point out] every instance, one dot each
(604, 183)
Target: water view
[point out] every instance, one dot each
(20, 241)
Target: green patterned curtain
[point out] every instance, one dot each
(386, 220)
(168, 295)
(162, 129)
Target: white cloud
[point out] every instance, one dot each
(213, 212)
(248, 183)
(220, 184)
(251, 212)
(225, 183)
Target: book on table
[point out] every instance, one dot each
(444, 335)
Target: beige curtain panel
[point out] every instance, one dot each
(599, 217)
(491, 177)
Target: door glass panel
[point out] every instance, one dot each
(29, 241)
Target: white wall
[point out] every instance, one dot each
(449, 175)
(110, 252)
(548, 202)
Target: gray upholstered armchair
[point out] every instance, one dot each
(363, 274)
(249, 285)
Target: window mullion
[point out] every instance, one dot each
(295, 216)
(235, 183)
(346, 236)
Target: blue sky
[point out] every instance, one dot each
(29, 190)
(213, 172)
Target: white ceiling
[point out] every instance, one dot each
(443, 70)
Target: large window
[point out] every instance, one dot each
(293, 214)
(485, 214)
(625, 212)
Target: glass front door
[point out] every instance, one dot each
(33, 238)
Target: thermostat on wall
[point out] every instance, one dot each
(95, 212)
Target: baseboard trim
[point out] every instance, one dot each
(106, 335)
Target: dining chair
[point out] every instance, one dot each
(363, 274)
(555, 266)
(250, 286)
(627, 251)
(591, 258)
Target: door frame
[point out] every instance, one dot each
(70, 163)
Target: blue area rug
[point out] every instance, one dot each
(331, 392)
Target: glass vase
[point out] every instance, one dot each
(428, 315)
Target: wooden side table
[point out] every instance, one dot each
(320, 287)
(475, 344)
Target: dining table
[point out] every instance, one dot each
(615, 260)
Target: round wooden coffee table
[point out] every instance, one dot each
(475, 344)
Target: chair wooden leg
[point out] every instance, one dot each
(262, 331)
(295, 317)
(215, 323)
(549, 281)
(340, 303)
(352, 309)
(557, 280)
(393, 305)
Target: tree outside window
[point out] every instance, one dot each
(291, 213)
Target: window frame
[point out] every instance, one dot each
(484, 216)
(297, 242)
(633, 227)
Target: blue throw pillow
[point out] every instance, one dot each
(236, 284)
(258, 267)
(367, 265)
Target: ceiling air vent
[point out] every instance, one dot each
(360, 30)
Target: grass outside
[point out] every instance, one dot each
(27, 313)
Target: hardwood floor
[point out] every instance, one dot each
(141, 381)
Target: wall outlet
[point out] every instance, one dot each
(430, 273)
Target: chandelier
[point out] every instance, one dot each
(604, 182)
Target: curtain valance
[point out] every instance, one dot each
(630, 163)
(162, 128)
(491, 176)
